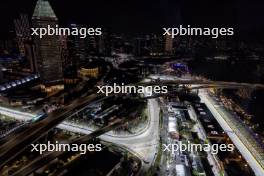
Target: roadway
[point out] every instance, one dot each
(198, 82)
(146, 143)
(48, 157)
(23, 116)
(20, 141)
(135, 143)
(235, 135)
(143, 144)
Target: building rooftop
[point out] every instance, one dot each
(43, 9)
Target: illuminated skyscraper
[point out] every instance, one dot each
(64, 51)
(24, 41)
(30, 52)
(78, 48)
(22, 29)
(168, 44)
(48, 55)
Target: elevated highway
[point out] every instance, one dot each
(247, 145)
(46, 158)
(137, 143)
(20, 141)
(202, 83)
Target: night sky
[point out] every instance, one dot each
(145, 16)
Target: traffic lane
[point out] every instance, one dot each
(254, 164)
(12, 148)
(46, 158)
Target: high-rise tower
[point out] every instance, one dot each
(22, 29)
(49, 63)
(168, 44)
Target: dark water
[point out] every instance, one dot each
(256, 107)
(223, 70)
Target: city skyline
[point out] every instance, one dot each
(145, 17)
(118, 88)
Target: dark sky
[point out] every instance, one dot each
(145, 16)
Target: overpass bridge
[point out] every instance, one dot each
(11, 149)
(46, 158)
(20, 141)
(202, 84)
(240, 135)
(136, 143)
